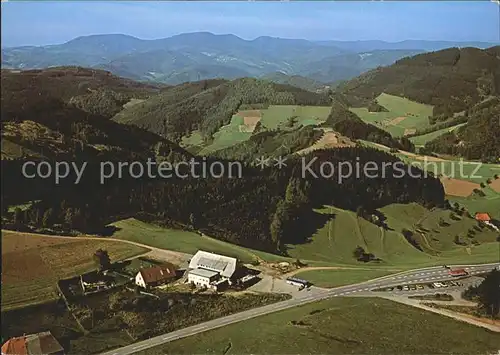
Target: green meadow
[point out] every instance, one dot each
(276, 116)
(341, 326)
(421, 140)
(344, 231)
(333, 244)
(417, 114)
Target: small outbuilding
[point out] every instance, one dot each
(33, 344)
(483, 217)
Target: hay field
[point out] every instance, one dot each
(32, 264)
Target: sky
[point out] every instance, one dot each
(41, 23)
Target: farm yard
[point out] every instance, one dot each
(32, 264)
(403, 116)
(97, 321)
(340, 326)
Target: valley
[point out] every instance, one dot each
(332, 194)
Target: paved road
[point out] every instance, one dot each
(431, 274)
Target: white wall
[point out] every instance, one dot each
(199, 280)
(139, 281)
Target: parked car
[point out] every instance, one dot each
(420, 287)
(406, 288)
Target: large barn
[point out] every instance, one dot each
(211, 270)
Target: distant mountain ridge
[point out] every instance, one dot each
(203, 55)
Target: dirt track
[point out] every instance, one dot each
(329, 139)
(154, 253)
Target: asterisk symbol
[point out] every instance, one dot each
(263, 162)
(280, 162)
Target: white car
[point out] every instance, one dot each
(436, 284)
(406, 288)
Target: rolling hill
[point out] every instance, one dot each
(451, 79)
(477, 139)
(350, 65)
(212, 108)
(296, 80)
(203, 55)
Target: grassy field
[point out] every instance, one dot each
(337, 239)
(338, 277)
(455, 168)
(275, 116)
(183, 241)
(227, 136)
(31, 265)
(489, 203)
(341, 326)
(420, 141)
(415, 115)
(333, 244)
(193, 143)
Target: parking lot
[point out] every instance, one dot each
(432, 287)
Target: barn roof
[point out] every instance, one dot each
(224, 265)
(157, 273)
(482, 216)
(31, 344)
(203, 273)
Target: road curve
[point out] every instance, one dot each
(437, 273)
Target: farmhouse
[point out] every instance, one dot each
(33, 344)
(211, 270)
(483, 217)
(155, 275)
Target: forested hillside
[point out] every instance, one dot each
(350, 125)
(213, 107)
(257, 210)
(273, 143)
(65, 113)
(451, 79)
(478, 139)
(299, 81)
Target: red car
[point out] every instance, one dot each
(458, 272)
